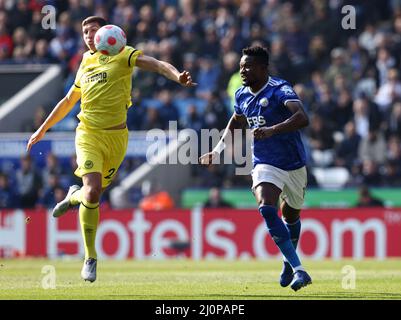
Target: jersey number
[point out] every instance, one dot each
(111, 171)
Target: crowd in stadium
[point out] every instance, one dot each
(348, 79)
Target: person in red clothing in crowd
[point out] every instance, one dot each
(155, 198)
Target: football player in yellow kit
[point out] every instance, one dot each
(103, 83)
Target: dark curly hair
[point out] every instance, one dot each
(258, 52)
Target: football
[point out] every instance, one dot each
(110, 40)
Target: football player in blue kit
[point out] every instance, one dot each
(275, 114)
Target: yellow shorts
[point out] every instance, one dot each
(100, 151)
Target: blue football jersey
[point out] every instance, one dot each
(267, 108)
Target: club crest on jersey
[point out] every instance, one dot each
(264, 102)
(103, 59)
(287, 90)
(88, 164)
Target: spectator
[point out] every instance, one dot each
(366, 199)
(318, 53)
(342, 112)
(370, 173)
(325, 104)
(281, 64)
(230, 67)
(52, 168)
(47, 195)
(155, 198)
(6, 42)
(389, 91)
(385, 61)
(215, 200)
(62, 47)
(347, 150)
(366, 116)
(168, 111)
(367, 85)
(216, 114)
(373, 147)
(339, 66)
(35, 29)
(207, 76)
(28, 182)
(393, 123)
(38, 118)
(23, 41)
(391, 175)
(394, 149)
(193, 119)
(359, 58)
(321, 140)
(297, 42)
(136, 115)
(153, 120)
(368, 39)
(41, 52)
(8, 197)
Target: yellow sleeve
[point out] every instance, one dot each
(129, 56)
(77, 81)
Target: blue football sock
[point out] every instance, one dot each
(294, 230)
(280, 234)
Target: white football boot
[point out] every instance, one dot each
(63, 206)
(88, 272)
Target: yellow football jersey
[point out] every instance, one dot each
(105, 83)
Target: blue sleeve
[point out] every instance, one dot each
(285, 93)
(237, 107)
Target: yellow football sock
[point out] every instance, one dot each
(89, 220)
(76, 197)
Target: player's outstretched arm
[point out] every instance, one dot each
(166, 69)
(298, 120)
(59, 112)
(236, 122)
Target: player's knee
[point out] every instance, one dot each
(291, 218)
(92, 193)
(290, 215)
(265, 202)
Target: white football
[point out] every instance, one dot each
(110, 40)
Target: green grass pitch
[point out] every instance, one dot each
(182, 279)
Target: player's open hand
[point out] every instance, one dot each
(262, 132)
(186, 79)
(36, 137)
(207, 158)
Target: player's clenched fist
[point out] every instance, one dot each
(263, 132)
(186, 79)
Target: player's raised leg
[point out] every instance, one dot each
(89, 220)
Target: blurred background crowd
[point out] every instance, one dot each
(348, 80)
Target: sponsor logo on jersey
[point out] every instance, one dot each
(256, 121)
(100, 77)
